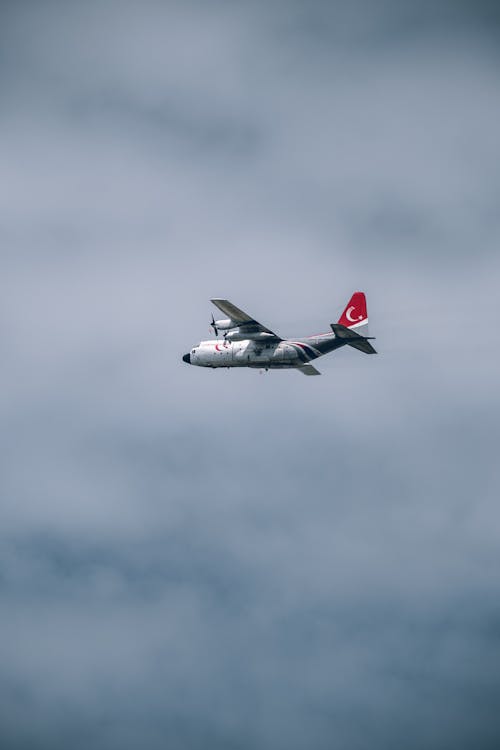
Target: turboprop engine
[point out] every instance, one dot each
(222, 325)
(253, 336)
(225, 324)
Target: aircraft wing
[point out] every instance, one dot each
(245, 322)
(308, 370)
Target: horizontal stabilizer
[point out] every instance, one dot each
(352, 338)
(308, 370)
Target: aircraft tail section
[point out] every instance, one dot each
(350, 337)
(355, 315)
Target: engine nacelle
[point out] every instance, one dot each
(225, 324)
(252, 336)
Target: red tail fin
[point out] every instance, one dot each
(355, 313)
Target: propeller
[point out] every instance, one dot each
(212, 325)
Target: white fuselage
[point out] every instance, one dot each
(281, 354)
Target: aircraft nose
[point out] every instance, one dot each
(187, 358)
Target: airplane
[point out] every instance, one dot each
(247, 343)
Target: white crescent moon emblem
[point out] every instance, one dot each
(349, 317)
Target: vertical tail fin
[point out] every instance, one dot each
(355, 315)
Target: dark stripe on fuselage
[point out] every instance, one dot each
(305, 352)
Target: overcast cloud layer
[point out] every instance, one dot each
(196, 559)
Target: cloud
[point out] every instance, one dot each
(196, 558)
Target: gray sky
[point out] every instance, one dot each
(194, 559)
